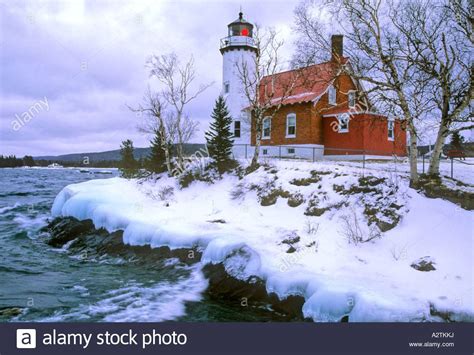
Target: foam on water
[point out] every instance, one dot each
(137, 302)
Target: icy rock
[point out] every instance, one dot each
(425, 263)
(66, 229)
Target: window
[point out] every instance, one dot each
(291, 125)
(332, 95)
(351, 98)
(265, 151)
(237, 129)
(267, 127)
(391, 133)
(226, 88)
(343, 123)
(291, 150)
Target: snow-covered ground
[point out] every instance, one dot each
(304, 254)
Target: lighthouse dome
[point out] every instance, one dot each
(240, 27)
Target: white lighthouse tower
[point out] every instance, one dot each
(238, 49)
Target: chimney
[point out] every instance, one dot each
(337, 46)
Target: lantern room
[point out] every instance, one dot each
(240, 27)
(239, 36)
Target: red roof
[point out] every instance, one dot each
(299, 85)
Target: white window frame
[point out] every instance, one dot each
(332, 95)
(288, 117)
(340, 118)
(353, 94)
(269, 128)
(392, 124)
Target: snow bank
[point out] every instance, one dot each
(298, 254)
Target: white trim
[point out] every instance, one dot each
(302, 151)
(263, 127)
(353, 113)
(288, 116)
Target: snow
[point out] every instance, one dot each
(367, 281)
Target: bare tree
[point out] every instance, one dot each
(177, 81)
(378, 58)
(157, 121)
(462, 12)
(265, 90)
(443, 55)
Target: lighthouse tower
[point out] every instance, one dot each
(238, 50)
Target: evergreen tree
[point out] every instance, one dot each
(128, 164)
(457, 140)
(219, 136)
(156, 161)
(28, 160)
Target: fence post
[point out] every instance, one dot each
(452, 159)
(423, 163)
(245, 151)
(279, 151)
(363, 159)
(313, 154)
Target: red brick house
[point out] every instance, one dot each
(325, 112)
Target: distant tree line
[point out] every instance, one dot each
(78, 164)
(11, 161)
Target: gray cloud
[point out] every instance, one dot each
(88, 59)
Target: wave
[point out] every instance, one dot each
(19, 271)
(30, 224)
(9, 208)
(136, 302)
(16, 194)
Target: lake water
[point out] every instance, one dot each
(55, 284)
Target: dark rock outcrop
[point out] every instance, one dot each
(433, 188)
(224, 286)
(424, 264)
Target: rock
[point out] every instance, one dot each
(63, 230)
(217, 221)
(295, 200)
(425, 263)
(271, 197)
(433, 188)
(10, 311)
(254, 292)
(385, 226)
(291, 238)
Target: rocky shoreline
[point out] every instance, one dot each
(82, 238)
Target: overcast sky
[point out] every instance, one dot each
(72, 67)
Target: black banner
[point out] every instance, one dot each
(236, 338)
